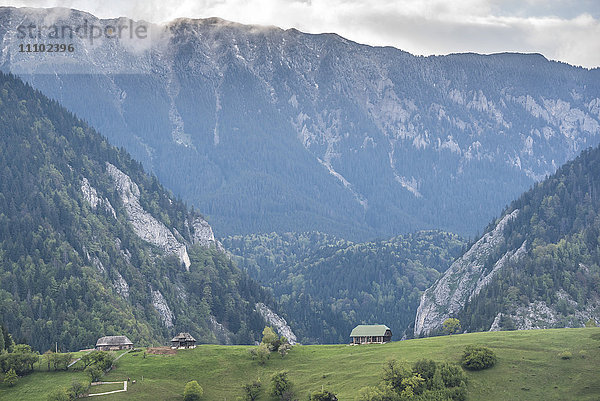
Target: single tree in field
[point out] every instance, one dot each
(451, 326)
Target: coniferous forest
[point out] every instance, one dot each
(63, 262)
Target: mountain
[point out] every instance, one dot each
(325, 286)
(90, 245)
(270, 130)
(537, 266)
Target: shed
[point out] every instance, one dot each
(371, 333)
(113, 343)
(183, 340)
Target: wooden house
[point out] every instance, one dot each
(113, 343)
(183, 340)
(371, 334)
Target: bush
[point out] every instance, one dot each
(322, 395)
(261, 353)
(281, 386)
(60, 394)
(565, 355)
(94, 372)
(252, 390)
(192, 391)
(590, 323)
(77, 389)
(478, 357)
(11, 377)
(452, 375)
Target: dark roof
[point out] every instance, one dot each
(183, 337)
(364, 330)
(113, 340)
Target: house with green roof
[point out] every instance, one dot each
(371, 334)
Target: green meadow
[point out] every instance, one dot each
(529, 368)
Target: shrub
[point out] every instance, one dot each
(261, 353)
(425, 368)
(60, 394)
(565, 355)
(478, 357)
(192, 391)
(281, 386)
(252, 390)
(322, 395)
(77, 389)
(452, 375)
(11, 377)
(590, 323)
(94, 372)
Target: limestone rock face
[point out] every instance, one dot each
(464, 279)
(161, 306)
(144, 224)
(276, 321)
(91, 196)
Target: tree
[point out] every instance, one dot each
(252, 390)
(11, 377)
(280, 385)
(1, 339)
(322, 395)
(451, 326)
(192, 391)
(270, 339)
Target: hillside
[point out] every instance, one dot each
(326, 285)
(270, 130)
(537, 266)
(529, 368)
(90, 245)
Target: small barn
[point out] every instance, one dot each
(371, 334)
(113, 343)
(183, 340)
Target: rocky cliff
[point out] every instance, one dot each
(464, 279)
(536, 267)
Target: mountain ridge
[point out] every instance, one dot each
(358, 141)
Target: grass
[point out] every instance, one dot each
(529, 368)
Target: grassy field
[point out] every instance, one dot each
(528, 368)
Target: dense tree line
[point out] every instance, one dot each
(326, 286)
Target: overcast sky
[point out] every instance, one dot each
(565, 30)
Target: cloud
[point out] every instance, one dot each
(560, 29)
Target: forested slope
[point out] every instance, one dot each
(537, 266)
(90, 245)
(326, 285)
